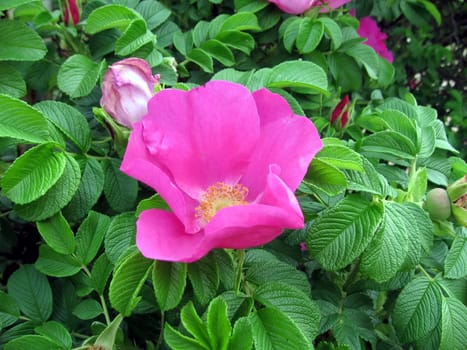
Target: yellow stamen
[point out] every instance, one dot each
(218, 196)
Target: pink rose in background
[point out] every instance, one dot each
(226, 161)
(127, 87)
(375, 38)
(341, 112)
(296, 7)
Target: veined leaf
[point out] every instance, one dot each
(388, 250)
(57, 233)
(11, 82)
(55, 264)
(455, 265)
(78, 75)
(90, 235)
(33, 174)
(303, 74)
(19, 120)
(325, 177)
(273, 330)
(218, 325)
(19, 42)
(340, 156)
(169, 280)
(204, 277)
(294, 304)
(135, 36)
(120, 235)
(128, 279)
(418, 309)
(453, 324)
(309, 35)
(32, 292)
(342, 232)
(110, 16)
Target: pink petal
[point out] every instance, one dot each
(256, 224)
(161, 236)
(203, 136)
(139, 163)
(286, 139)
(294, 7)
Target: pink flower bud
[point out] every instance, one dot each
(127, 87)
(71, 7)
(341, 112)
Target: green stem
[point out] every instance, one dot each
(239, 270)
(420, 267)
(352, 276)
(105, 310)
(161, 334)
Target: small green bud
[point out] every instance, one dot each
(438, 204)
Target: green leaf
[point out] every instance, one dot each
(367, 181)
(262, 270)
(242, 336)
(56, 332)
(294, 304)
(32, 292)
(350, 79)
(418, 309)
(303, 74)
(90, 236)
(367, 56)
(241, 21)
(9, 4)
(340, 156)
(389, 143)
(218, 325)
(77, 76)
(11, 82)
(401, 123)
(120, 235)
(351, 326)
(325, 177)
(169, 281)
(201, 58)
(417, 185)
(194, 325)
(177, 340)
(204, 277)
(9, 310)
(128, 279)
(120, 190)
(106, 339)
(33, 173)
(226, 268)
(455, 265)
(88, 309)
(153, 12)
(309, 35)
(273, 330)
(55, 264)
(101, 270)
(243, 42)
(57, 233)
(387, 252)
(31, 342)
(422, 221)
(134, 37)
(57, 197)
(332, 29)
(69, 121)
(292, 27)
(19, 120)
(110, 16)
(19, 42)
(155, 201)
(454, 324)
(89, 190)
(343, 232)
(219, 51)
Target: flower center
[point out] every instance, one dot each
(218, 196)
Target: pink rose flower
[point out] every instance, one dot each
(375, 38)
(127, 87)
(226, 161)
(296, 7)
(341, 112)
